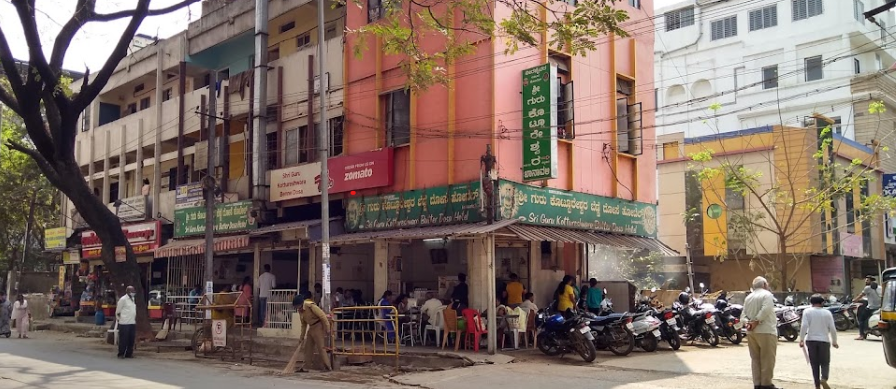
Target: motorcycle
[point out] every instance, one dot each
(668, 324)
(728, 316)
(558, 335)
(697, 323)
(646, 327)
(612, 331)
(788, 322)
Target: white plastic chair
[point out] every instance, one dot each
(437, 328)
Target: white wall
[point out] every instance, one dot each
(690, 66)
(418, 269)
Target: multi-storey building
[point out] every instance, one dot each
(509, 168)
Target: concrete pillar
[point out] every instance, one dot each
(299, 267)
(106, 166)
(122, 165)
(481, 280)
(138, 176)
(380, 268)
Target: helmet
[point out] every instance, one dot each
(684, 298)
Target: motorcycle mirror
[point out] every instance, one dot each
(605, 291)
(687, 289)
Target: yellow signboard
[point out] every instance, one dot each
(61, 277)
(71, 257)
(55, 238)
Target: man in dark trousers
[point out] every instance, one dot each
(461, 292)
(126, 313)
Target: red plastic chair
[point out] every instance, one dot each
(474, 328)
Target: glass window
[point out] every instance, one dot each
(889, 301)
(770, 77)
(291, 153)
(398, 117)
(804, 9)
(814, 68)
(859, 10)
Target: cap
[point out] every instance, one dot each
(870, 277)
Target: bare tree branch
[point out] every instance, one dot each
(37, 60)
(83, 10)
(136, 12)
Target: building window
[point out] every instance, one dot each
(166, 94)
(398, 117)
(628, 120)
(144, 103)
(764, 18)
(857, 66)
(331, 31)
(804, 9)
(139, 88)
(337, 136)
(859, 9)
(274, 54)
(635, 4)
(814, 68)
(878, 61)
(375, 10)
(770, 77)
(287, 26)
(272, 145)
(291, 153)
(132, 108)
(724, 28)
(303, 40)
(679, 18)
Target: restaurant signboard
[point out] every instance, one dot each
(143, 237)
(453, 204)
(566, 209)
(54, 238)
(539, 95)
(229, 217)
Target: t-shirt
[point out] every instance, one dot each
(461, 293)
(594, 297)
(514, 293)
(818, 326)
(873, 296)
(266, 282)
(563, 301)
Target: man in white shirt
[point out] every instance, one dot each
(266, 282)
(762, 330)
(529, 303)
(818, 333)
(430, 308)
(126, 314)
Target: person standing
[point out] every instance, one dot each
(594, 297)
(762, 330)
(566, 296)
(5, 314)
(22, 315)
(266, 282)
(870, 300)
(514, 291)
(818, 333)
(316, 325)
(126, 314)
(245, 300)
(461, 293)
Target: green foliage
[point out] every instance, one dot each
(410, 32)
(639, 268)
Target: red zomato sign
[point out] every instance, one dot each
(144, 238)
(372, 169)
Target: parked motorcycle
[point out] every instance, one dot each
(788, 322)
(612, 331)
(558, 335)
(668, 324)
(646, 327)
(728, 316)
(696, 323)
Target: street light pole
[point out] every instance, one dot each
(208, 184)
(324, 153)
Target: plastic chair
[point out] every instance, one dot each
(530, 328)
(474, 328)
(450, 317)
(437, 328)
(515, 325)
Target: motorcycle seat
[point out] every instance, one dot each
(608, 319)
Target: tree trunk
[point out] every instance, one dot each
(782, 262)
(108, 229)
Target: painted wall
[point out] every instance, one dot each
(419, 271)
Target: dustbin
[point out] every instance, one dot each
(100, 317)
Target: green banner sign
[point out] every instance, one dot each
(540, 90)
(565, 209)
(229, 217)
(452, 204)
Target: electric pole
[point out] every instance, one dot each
(488, 186)
(324, 137)
(208, 184)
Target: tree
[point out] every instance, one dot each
(641, 268)
(785, 196)
(50, 114)
(462, 24)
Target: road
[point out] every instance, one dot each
(55, 360)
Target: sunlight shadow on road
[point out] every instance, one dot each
(22, 372)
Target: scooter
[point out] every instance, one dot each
(646, 327)
(728, 316)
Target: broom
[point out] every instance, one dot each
(291, 366)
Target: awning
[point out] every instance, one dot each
(197, 246)
(451, 231)
(534, 233)
(288, 226)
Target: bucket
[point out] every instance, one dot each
(100, 317)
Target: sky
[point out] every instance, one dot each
(95, 41)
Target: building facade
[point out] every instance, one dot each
(486, 176)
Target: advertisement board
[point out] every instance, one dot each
(143, 237)
(454, 204)
(540, 91)
(371, 169)
(54, 238)
(229, 217)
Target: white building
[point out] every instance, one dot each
(766, 62)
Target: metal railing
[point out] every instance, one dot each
(185, 308)
(279, 309)
(365, 332)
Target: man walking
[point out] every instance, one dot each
(761, 324)
(126, 313)
(266, 282)
(317, 326)
(870, 299)
(818, 334)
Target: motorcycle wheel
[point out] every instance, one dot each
(674, 341)
(790, 334)
(734, 336)
(649, 343)
(623, 342)
(587, 351)
(547, 346)
(710, 336)
(841, 322)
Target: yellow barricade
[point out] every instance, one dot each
(370, 331)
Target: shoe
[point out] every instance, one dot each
(824, 384)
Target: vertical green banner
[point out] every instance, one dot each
(540, 91)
